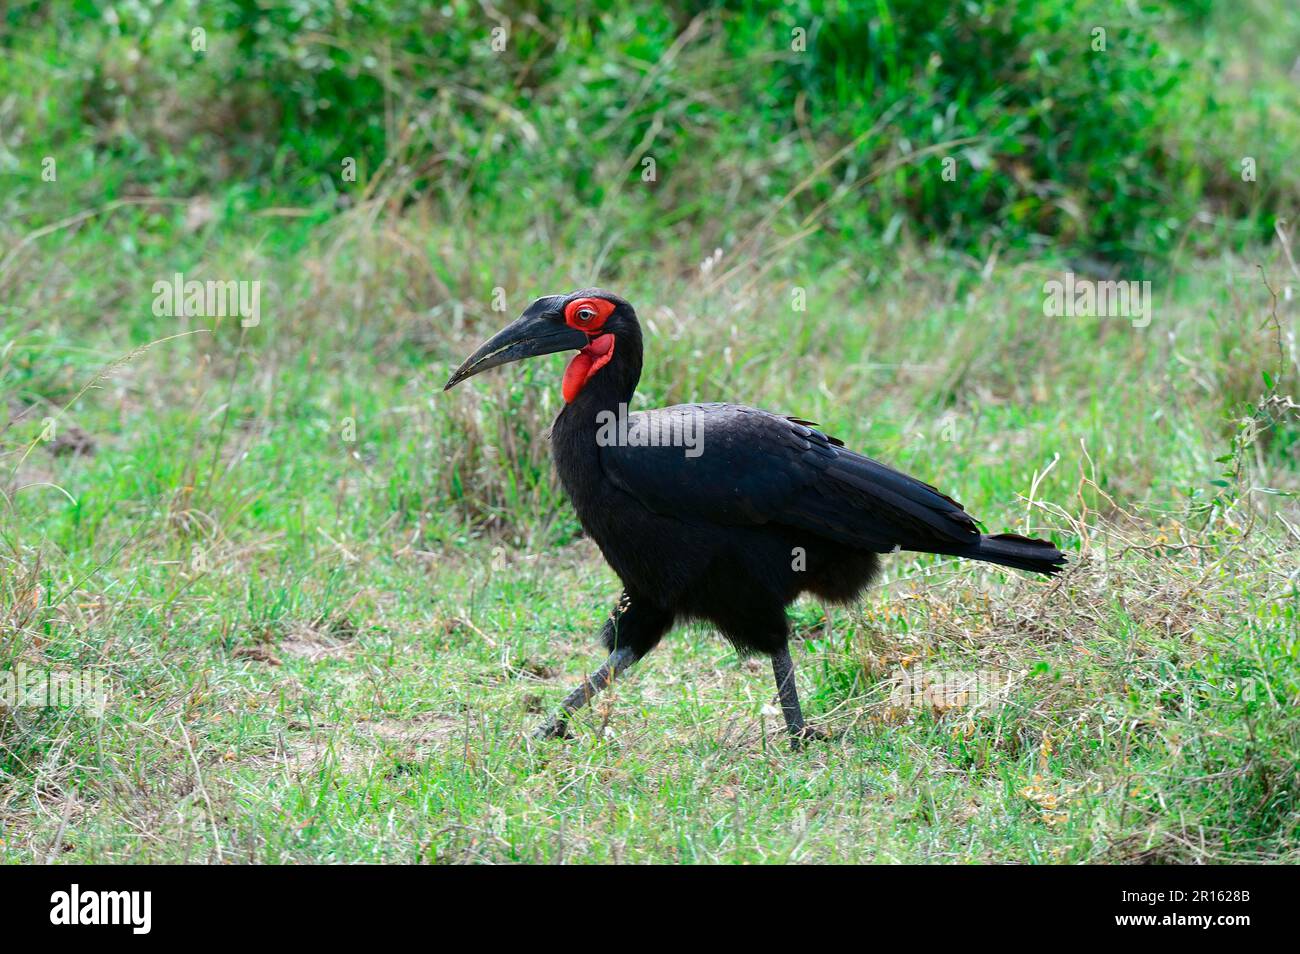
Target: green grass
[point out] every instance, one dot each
(323, 648)
(350, 640)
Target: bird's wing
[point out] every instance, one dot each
(733, 465)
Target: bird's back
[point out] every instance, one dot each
(737, 465)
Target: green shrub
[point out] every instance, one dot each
(1113, 152)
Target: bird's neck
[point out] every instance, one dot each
(611, 386)
(574, 436)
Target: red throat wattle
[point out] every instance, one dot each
(585, 364)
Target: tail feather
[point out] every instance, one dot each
(1013, 550)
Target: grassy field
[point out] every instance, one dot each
(330, 600)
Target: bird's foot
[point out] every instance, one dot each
(552, 728)
(807, 734)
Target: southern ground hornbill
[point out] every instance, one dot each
(719, 512)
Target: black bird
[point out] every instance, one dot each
(719, 512)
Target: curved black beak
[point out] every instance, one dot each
(539, 330)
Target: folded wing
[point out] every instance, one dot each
(753, 467)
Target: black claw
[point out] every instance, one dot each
(809, 733)
(552, 729)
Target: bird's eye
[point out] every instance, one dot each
(587, 314)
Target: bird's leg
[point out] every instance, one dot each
(632, 630)
(557, 725)
(783, 670)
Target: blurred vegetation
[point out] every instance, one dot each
(1121, 154)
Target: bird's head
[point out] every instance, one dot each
(592, 322)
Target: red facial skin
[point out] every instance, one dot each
(588, 316)
(602, 308)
